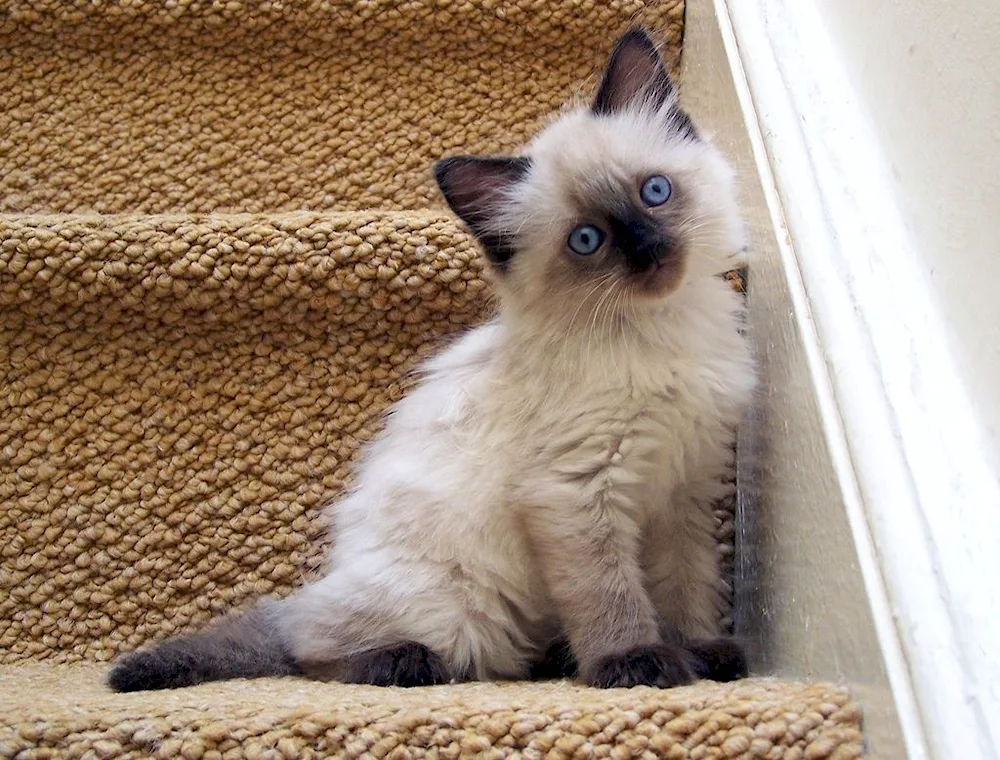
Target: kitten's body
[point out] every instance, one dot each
(554, 473)
(433, 542)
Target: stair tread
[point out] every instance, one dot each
(67, 708)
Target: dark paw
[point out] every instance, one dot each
(719, 659)
(662, 666)
(406, 664)
(557, 662)
(148, 670)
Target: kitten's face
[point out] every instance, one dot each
(624, 200)
(614, 206)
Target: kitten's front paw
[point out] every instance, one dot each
(719, 659)
(662, 666)
(406, 664)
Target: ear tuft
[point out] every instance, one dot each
(635, 75)
(475, 189)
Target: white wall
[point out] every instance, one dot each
(809, 600)
(928, 73)
(876, 131)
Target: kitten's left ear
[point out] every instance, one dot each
(476, 189)
(635, 74)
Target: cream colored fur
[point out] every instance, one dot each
(558, 461)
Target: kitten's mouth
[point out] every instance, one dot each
(661, 278)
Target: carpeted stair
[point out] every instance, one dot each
(221, 251)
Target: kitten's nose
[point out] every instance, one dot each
(642, 242)
(648, 254)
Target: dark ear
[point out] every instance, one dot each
(635, 73)
(475, 188)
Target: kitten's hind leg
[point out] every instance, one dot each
(246, 645)
(342, 628)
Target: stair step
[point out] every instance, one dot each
(306, 23)
(66, 710)
(183, 393)
(363, 270)
(125, 131)
(120, 123)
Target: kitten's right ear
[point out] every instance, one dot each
(476, 189)
(634, 71)
(636, 74)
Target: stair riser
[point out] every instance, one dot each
(115, 107)
(305, 24)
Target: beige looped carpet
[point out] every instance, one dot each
(221, 251)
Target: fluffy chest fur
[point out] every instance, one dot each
(629, 409)
(512, 420)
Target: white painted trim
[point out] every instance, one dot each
(906, 443)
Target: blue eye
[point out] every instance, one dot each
(585, 239)
(656, 190)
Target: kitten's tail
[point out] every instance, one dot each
(245, 645)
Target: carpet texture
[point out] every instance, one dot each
(221, 252)
(296, 718)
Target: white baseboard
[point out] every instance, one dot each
(872, 565)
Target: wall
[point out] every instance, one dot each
(928, 74)
(803, 600)
(876, 127)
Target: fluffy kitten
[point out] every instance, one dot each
(548, 487)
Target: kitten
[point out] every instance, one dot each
(542, 502)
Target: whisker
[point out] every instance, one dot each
(593, 321)
(599, 281)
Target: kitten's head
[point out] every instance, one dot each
(621, 202)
